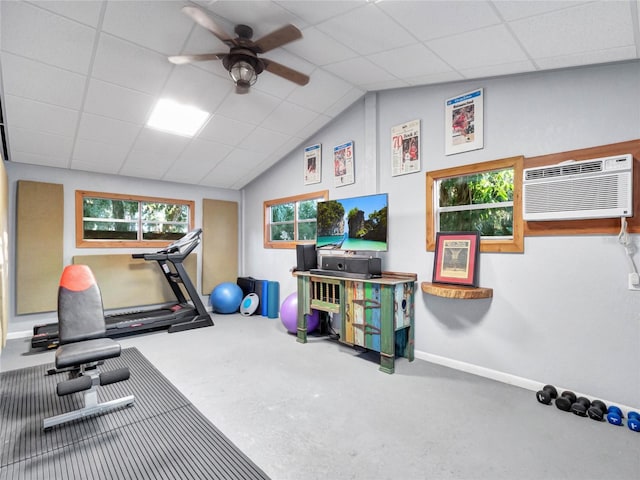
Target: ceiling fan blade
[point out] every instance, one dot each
(204, 20)
(277, 38)
(285, 72)
(184, 59)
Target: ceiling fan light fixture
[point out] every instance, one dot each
(243, 75)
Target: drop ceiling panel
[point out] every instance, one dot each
(151, 24)
(488, 46)
(160, 143)
(225, 130)
(587, 58)
(108, 130)
(198, 159)
(40, 117)
(367, 30)
(324, 90)
(23, 78)
(289, 118)
(123, 63)
(43, 144)
(252, 108)
(424, 62)
(117, 102)
(98, 156)
(79, 10)
(316, 12)
(319, 48)
(515, 9)
(360, 71)
(436, 19)
(591, 27)
(38, 34)
(263, 141)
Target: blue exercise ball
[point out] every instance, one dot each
(226, 298)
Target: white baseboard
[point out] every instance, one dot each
(23, 334)
(507, 378)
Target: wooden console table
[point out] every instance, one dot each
(376, 314)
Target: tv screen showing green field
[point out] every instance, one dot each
(357, 223)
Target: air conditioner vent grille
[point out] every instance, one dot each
(564, 170)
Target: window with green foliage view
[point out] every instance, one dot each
(481, 202)
(291, 220)
(129, 219)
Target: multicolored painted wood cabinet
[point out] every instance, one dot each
(376, 314)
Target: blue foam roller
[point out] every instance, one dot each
(262, 291)
(273, 299)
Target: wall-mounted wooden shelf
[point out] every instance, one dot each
(456, 291)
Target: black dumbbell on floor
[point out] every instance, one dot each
(547, 393)
(580, 406)
(597, 410)
(565, 400)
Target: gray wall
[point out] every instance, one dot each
(73, 180)
(561, 312)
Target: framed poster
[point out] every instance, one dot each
(456, 258)
(312, 164)
(343, 168)
(405, 148)
(463, 120)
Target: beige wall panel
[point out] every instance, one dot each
(4, 254)
(219, 243)
(39, 246)
(131, 282)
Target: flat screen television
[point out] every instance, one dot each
(354, 224)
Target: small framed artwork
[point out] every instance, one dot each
(343, 168)
(456, 258)
(463, 119)
(312, 164)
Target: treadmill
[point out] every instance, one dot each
(183, 315)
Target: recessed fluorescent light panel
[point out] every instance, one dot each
(173, 117)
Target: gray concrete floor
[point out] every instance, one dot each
(324, 411)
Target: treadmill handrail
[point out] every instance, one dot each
(175, 251)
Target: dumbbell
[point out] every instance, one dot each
(614, 415)
(580, 406)
(547, 393)
(597, 410)
(634, 421)
(564, 401)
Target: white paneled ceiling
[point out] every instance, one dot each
(79, 78)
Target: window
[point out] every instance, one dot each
(113, 220)
(484, 197)
(291, 220)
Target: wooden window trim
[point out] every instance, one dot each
(513, 245)
(322, 194)
(81, 243)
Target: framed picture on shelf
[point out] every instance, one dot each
(312, 164)
(343, 168)
(463, 119)
(456, 258)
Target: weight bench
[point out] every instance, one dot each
(83, 346)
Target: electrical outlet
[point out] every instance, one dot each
(634, 281)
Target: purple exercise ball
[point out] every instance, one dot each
(289, 315)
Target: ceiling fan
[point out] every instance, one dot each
(242, 61)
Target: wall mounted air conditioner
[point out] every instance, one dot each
(598, 188)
